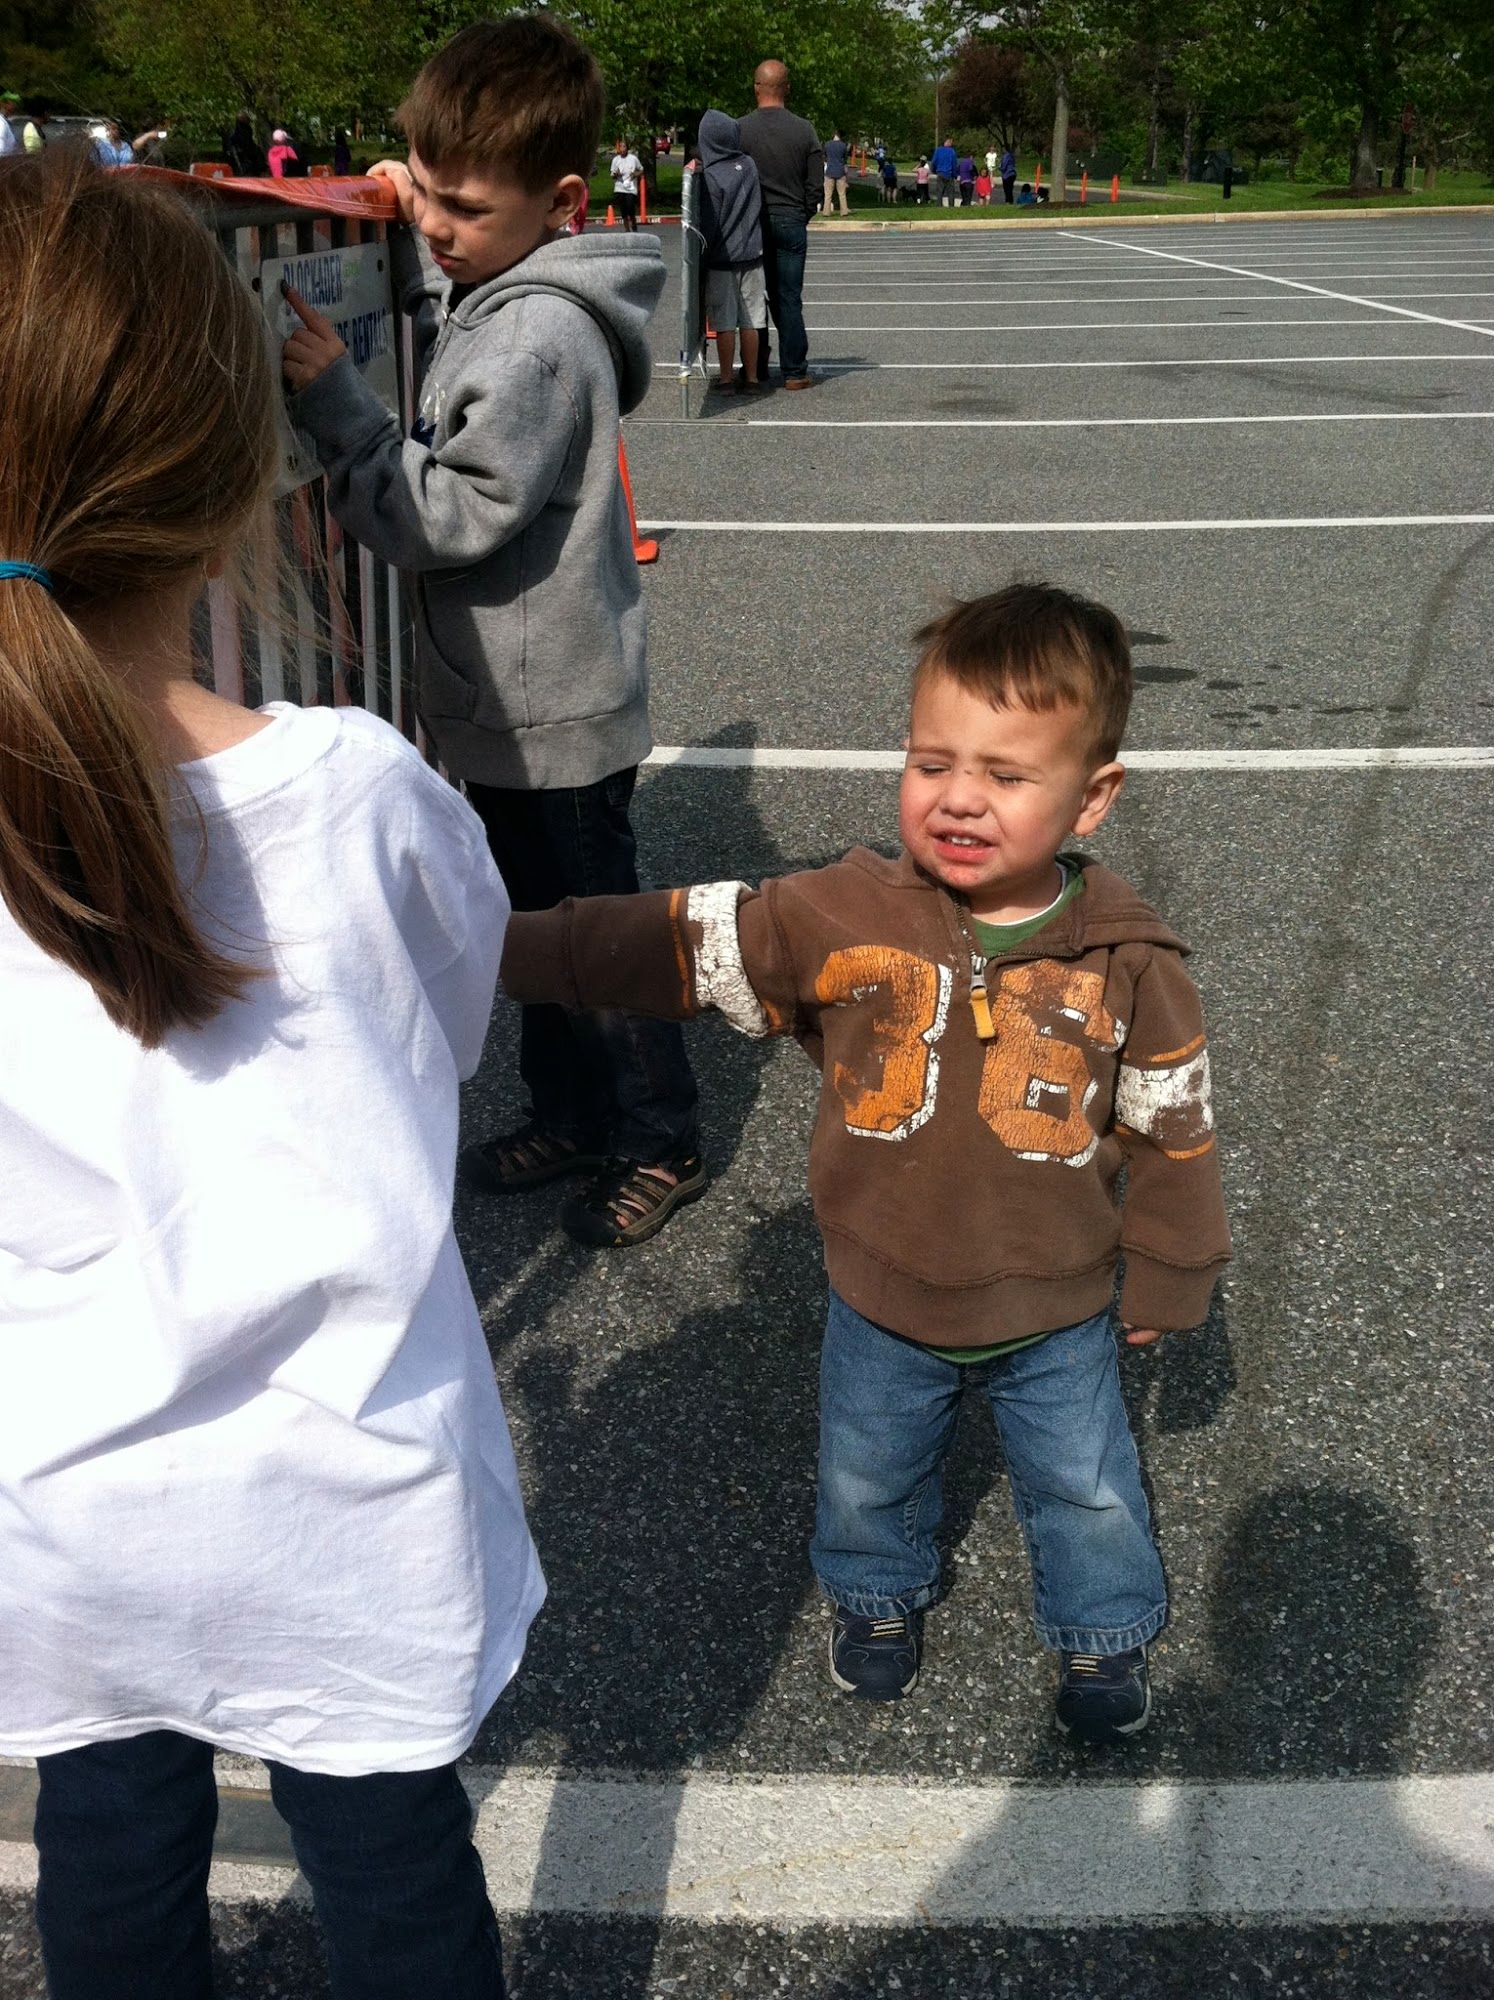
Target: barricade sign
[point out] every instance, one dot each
(324, 620)
(351, 286)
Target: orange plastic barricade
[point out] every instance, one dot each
(644, 552)
(367, 200)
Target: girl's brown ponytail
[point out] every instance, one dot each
(136, 436)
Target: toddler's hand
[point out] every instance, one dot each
(398, 176)
(312, 348)
(1142, 1336)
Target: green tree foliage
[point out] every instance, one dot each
(198, 62)
(1360, 61)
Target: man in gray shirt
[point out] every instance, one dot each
(791, 169)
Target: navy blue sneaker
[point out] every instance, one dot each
(1103, 1697)
(876, 1658)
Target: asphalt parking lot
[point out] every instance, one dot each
(1268, 446)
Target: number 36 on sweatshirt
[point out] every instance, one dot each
(966, 1160)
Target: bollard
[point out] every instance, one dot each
(642, 199)
(644, 552)
(1037, 179)
(1115, 187)
(1084, 189)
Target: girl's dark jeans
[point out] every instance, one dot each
(124, 1832)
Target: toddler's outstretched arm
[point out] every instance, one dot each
(671, 953)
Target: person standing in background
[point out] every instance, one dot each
(943, 162)
(625, 168)
(285, 161)
(243, 151)
(1009, 175)
(790, 165)
(836, 153)
(342, 154)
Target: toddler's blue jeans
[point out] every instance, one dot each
(124, 1832)
(887, 1415)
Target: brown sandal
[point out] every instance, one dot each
(525, 1159)
(628, 1202)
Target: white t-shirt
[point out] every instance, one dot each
(256, 1484)
(626, 167)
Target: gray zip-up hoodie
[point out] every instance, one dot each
(505, 501)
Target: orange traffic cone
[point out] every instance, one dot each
(1115, 187)
(642, 199)
(1038, 178)
(1084, 189)
(611, 217)
(644, 552)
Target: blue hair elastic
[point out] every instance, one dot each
(29, 573)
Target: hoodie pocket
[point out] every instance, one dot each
(444, 690)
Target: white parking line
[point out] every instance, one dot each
(789, 1852)
(1300, 285)
(1215, 325)
(1158, 361)
(1412, 757)
(1250, 523)
(1135, 299)
(1090, 423)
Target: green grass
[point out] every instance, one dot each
(1175, 199)
(1255, 197)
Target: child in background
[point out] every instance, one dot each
(505, 501)
(921, 180)
(889, 178)
(736, 292)
(965, 175)
(983, 185)
(256, 1486)
(284, 160)
(1001, 1025)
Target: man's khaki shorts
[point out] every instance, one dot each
(736, 298)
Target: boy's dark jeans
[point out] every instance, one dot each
(611, 1075)
(784, 248)
(124, 1832)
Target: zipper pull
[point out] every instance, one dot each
(980, 1002)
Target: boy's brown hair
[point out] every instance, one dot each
(1034, 646)
(520, 93)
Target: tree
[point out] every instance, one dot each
(990, 89)
(1359, 58)
(199, 62)
(1060, 35)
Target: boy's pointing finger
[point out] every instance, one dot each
(307, 315)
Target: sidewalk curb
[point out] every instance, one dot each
(1084, 219)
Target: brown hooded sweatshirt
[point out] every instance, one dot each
(965, 1157)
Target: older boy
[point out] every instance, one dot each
(731, 223)
(1001, 1025)
(505, 500)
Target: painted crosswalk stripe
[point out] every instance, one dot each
(1371, 757)
(790, 1851)
(1249, 523)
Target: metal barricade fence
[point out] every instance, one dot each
(692, 298)
(323, 619)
